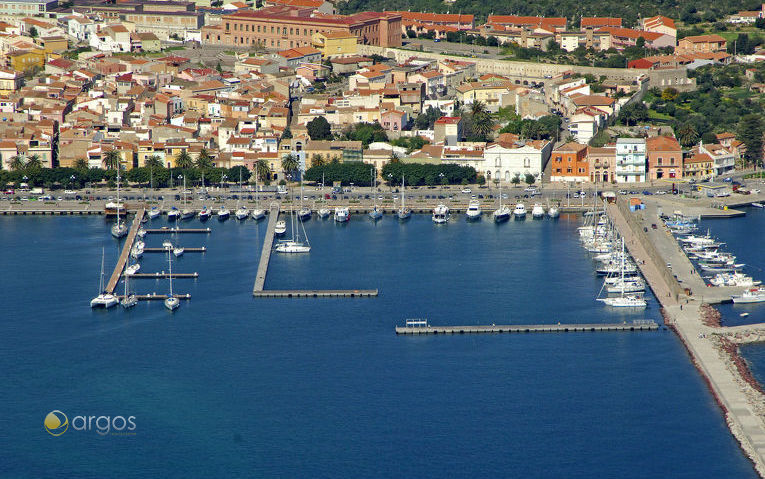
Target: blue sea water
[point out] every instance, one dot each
(229, 385)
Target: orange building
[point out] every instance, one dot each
(569, 163)
(700, 44)
(281, 27)
(665, 158)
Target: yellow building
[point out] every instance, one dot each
(334, 44)
(493, 95)
(56, 44)
(24, 60)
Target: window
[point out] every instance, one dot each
(526, 163)
(247, 28)
(227, 25)
(558, 159)
(659, 161)
(272, 31)
(568, 170)
(236, 26)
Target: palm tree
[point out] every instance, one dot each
(483, 123)
(112, 159)
(317, 160)
(263, 170)
(17, 163)
(183, 160)
(33, 163)
(204, 160)
(289, 163)
(81, 164)
(154, 161)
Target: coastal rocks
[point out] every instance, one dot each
(710, 316)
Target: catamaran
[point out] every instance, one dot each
(404, 213)
(171, 302)
(441, 214)
(375, 214)
(104, 299)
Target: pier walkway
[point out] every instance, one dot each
(114, 279)
(528, 328)
(265, 253)
(315, 293)
(684, 314)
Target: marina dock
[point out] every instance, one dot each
(265, 253)
(162, 275)
(129, 239)
(178, 230)
(422, 327)
(156, 297)
(316, 293)
(185, 250)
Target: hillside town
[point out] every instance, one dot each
(167, 82)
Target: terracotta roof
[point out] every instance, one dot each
(704, 39)
(517, 20)
(699, 158)
(592, 100)
(435, 17)
(448, 120)
(571, 146)
(601, 22)
(658, 21)
(662, 143)
(630, 33)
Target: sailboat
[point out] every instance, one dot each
(294, 245)
(128, 300)
(223, 213)
(187, 213)
(324, 213)
(120, 228)
(205, 213)
(375, 214)
(171, 302)
(242, 213)
(624, 300)
(258, 213)
(503, 212)
(404, 213)
(154, 212)
(104, 299)
(304, 214)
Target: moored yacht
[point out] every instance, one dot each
(242, 213)
(119, 229)
(205, 213)
(173, 214)
(104, 298)
(752, 295)
(223, 213)
(473, 211)
(258, 214)
(154, 212)
(403, 212)
(625, 301)
(324, 213)
(520, 210)
(441, 214)
(280, 228)
(553, 212)
(342, 214)
(171, 302)
(304, 213)
(537, 211)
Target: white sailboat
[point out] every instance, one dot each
(404, 213)
(258, 213)
(375, 214)
(129, 299)
(154, 212)
(171, 302)
(503, 212)
(104, 299)
(187, 213)
(223, 213)
(241, 213)
(624, 300)
(205, 213)
(304, 214)
(294, 245)
(119, 229)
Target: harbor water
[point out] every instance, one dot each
(243, 387)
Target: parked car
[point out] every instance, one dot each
(467, 191)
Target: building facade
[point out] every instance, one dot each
(665, 158)
(602, 164)
(569, 163)
(630, 160)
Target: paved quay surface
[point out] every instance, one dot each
(740, 403)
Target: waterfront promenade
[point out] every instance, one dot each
(742, 406)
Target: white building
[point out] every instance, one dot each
(505, 160)
(584, 124)
(630, 160)
(27, 8)
(82, 28)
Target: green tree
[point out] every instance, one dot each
(17, 163)
(480, 121)
(286, 134)
(319, 129)
(33, 163)
(33, 32)
(204, 160)
(516, 180)
(529, 179)
(154, 161)
(183, 160)
(749, 131)
(112, 159)
(263, 170)
(366, 133)
(317, 160)
(425, 120)
(81, 164)
(290, 164)
(687, 135)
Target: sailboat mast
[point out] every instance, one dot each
(170, 273)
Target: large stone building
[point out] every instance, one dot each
(162, 18)
(27, 7)
(285, 27)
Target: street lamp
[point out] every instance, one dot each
(441, 175)
(390, 182)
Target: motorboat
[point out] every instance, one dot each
(132, 269)
(520, 210)
(205, 213)
(280, 228)
(173, 214)
(223, 213)
(141, 233)
(137, 250)
(324, 213)
(553, 212)
(167, 245)
(441, 214)
(752, 295)
(242, 213)
(758, 205)
(114, 208)
(178, 251)
(258, 214)
(733, 279)
(342, 214)
(154, 212)
(473, 211)
(636, 285)
(537, 211)
(104, 299)
(721, 268)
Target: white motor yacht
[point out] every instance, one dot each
(178, 251)
(537, 211)
(520, 210)
(441, 214)
(242, 213)
(752, 295)
(324, 213)
(258, 214)
(292, 247)
(636, 285)
(280, 228)
(553, 212)
(342, 214)
(473, 211)
(205, 213)
(154, 212)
